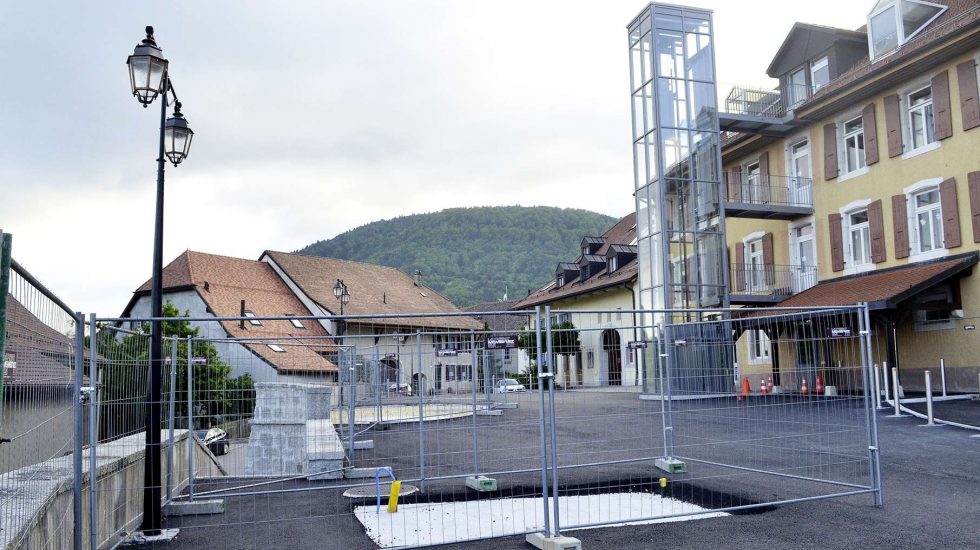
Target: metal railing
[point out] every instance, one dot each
(766, 102)
(771, 280)
(768, 189)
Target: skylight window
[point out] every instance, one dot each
(276, 348)
(252, 320)
(895, 22)
(297, 323)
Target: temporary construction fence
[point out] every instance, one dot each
(305, 428)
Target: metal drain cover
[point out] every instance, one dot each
(369, 491)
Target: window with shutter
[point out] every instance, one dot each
(768, 259)
(973, 180)
(869, 124)
(836, 242)
(951, 214)
(901, 223)
(876, 229)
(893, 125)
(941, 107)
(829, 151)
(966, 78)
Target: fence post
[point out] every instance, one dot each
(877, 387)
(170, 419)
(895, 389)
(79, 431)
(421, 388)
(864, 324)
(190, 418)
(476, 445)
(93, 423)
(351, 375)
(544, 438)
(5, 262)
(661, 349)
(554, 432)
(929, 417)
(942, 373)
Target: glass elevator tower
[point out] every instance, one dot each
(677, 170)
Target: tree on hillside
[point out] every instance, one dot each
(124, 367)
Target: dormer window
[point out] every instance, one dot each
(819, 73)
(612, 264)
(895, 22)
(560, 281)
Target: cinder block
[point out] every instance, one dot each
(194, 508)
(539, 540)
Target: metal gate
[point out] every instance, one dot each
(306, 428)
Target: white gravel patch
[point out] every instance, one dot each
(441, 523)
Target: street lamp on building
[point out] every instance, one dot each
(341, 293)
(149, 78)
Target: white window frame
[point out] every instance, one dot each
(747, 243)
(252, 320)
(798, 93)
(792, 177)
(816, 66)
(915, 247)
(752, 181)
(612, 264)
(924, 107)
(849, 171)
(794, 252)
(560, 281)
(758, 336)
(297, 323)
(850, 267)
(899, 27)
(276, 348)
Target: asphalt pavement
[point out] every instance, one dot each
(931, 478)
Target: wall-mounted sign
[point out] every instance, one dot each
(969, 327)
(680, 342)
(9, 360)
(445, 352)
(840, 332)
(199, 360)
(637, 344)
(502, 342)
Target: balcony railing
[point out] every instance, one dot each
(754, 102)
(764, 283)
(766, 189)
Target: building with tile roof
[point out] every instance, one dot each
(391, 318)
(210, 285)
(857, 179)
(603, 277)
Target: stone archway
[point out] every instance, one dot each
(614, 356)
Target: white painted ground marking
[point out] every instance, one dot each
(447, 522)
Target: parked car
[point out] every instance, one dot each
(509, 385)
(404, 389)
(216, 439)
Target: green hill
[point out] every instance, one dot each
(472, 255)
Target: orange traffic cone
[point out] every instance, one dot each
(770, 387)
(762, 387)
(803, 387)
(745, 388)
(819, 385)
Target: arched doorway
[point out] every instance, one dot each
(614, 356)
(416, 387)
(389, 373)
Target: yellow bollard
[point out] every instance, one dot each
(663, 482)
(393, 498)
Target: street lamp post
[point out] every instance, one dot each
(149, 78)
(341, 293)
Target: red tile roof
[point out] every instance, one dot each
(223, 282)
(883, 289)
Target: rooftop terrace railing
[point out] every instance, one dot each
(768, 189)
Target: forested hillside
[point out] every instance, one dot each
(472, 255)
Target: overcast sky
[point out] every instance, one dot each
(314, 117)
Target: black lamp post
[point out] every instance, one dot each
(341, 293)
(149, 78)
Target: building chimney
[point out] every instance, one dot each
(418, 277)
(241, 323)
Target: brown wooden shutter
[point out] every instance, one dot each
(966, 76)
(870, 126)
(951, 214)
(836, 243)
(876, 226)
(943, 116)
(829, 152)
(735, 186)
(973, 181)
(767, 258)
(900, 219)
(739, 266)
(893, 125)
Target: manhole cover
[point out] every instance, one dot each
(369, 491)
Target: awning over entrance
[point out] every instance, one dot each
(885, 288)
